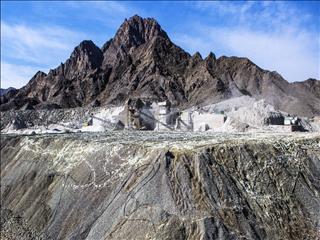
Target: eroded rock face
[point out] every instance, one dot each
(142, 61)
(133, 185)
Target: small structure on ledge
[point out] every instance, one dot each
(140, 114)
(198, 120)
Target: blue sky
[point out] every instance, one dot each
(278, 36)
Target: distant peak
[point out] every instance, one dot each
(86, 55)
(41, 74)
(86, 45)
(136, 18)
(311, 80)
(211, 56)
(195, 59)
(137, 30)
(197, 55)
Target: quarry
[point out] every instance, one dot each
(237, 169)
(245, 115)
(147, 170)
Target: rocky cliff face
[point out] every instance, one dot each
(190, 186)
(140, 60)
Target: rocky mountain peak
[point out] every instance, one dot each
(197, 56)
(87, 52)
(39, 74)
(85, 57)
(141, 60)
(132, 33)
(312, 81)
(312, 84)
(137, 30)
(85, 46)
(195, 59)
(4, 91)
(211, 57)
(38, 77)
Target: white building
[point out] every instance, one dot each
(290, 120)
(199, 121)
(165, 117)
(203, 121)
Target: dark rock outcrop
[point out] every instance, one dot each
(140, 60)
(4, 91)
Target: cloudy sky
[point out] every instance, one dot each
(278, 36)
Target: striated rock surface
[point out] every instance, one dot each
(140, 185)
(141, 60)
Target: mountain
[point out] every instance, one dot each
(142, 61)
(3, 91)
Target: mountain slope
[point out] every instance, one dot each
(107, 186)
(3, 91)
(140, 60)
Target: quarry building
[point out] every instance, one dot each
(148, 114)
(143, 114)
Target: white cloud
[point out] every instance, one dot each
(109, 7)
(45, 45)
(264, 15)
(13, 75)
(193, 43)
(23, 46)
(224, 7)
(273, 37)
(294, 55)
(107, 13)
(29, 37)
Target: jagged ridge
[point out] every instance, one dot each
(140, 60)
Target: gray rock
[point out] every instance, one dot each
(140, 185)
